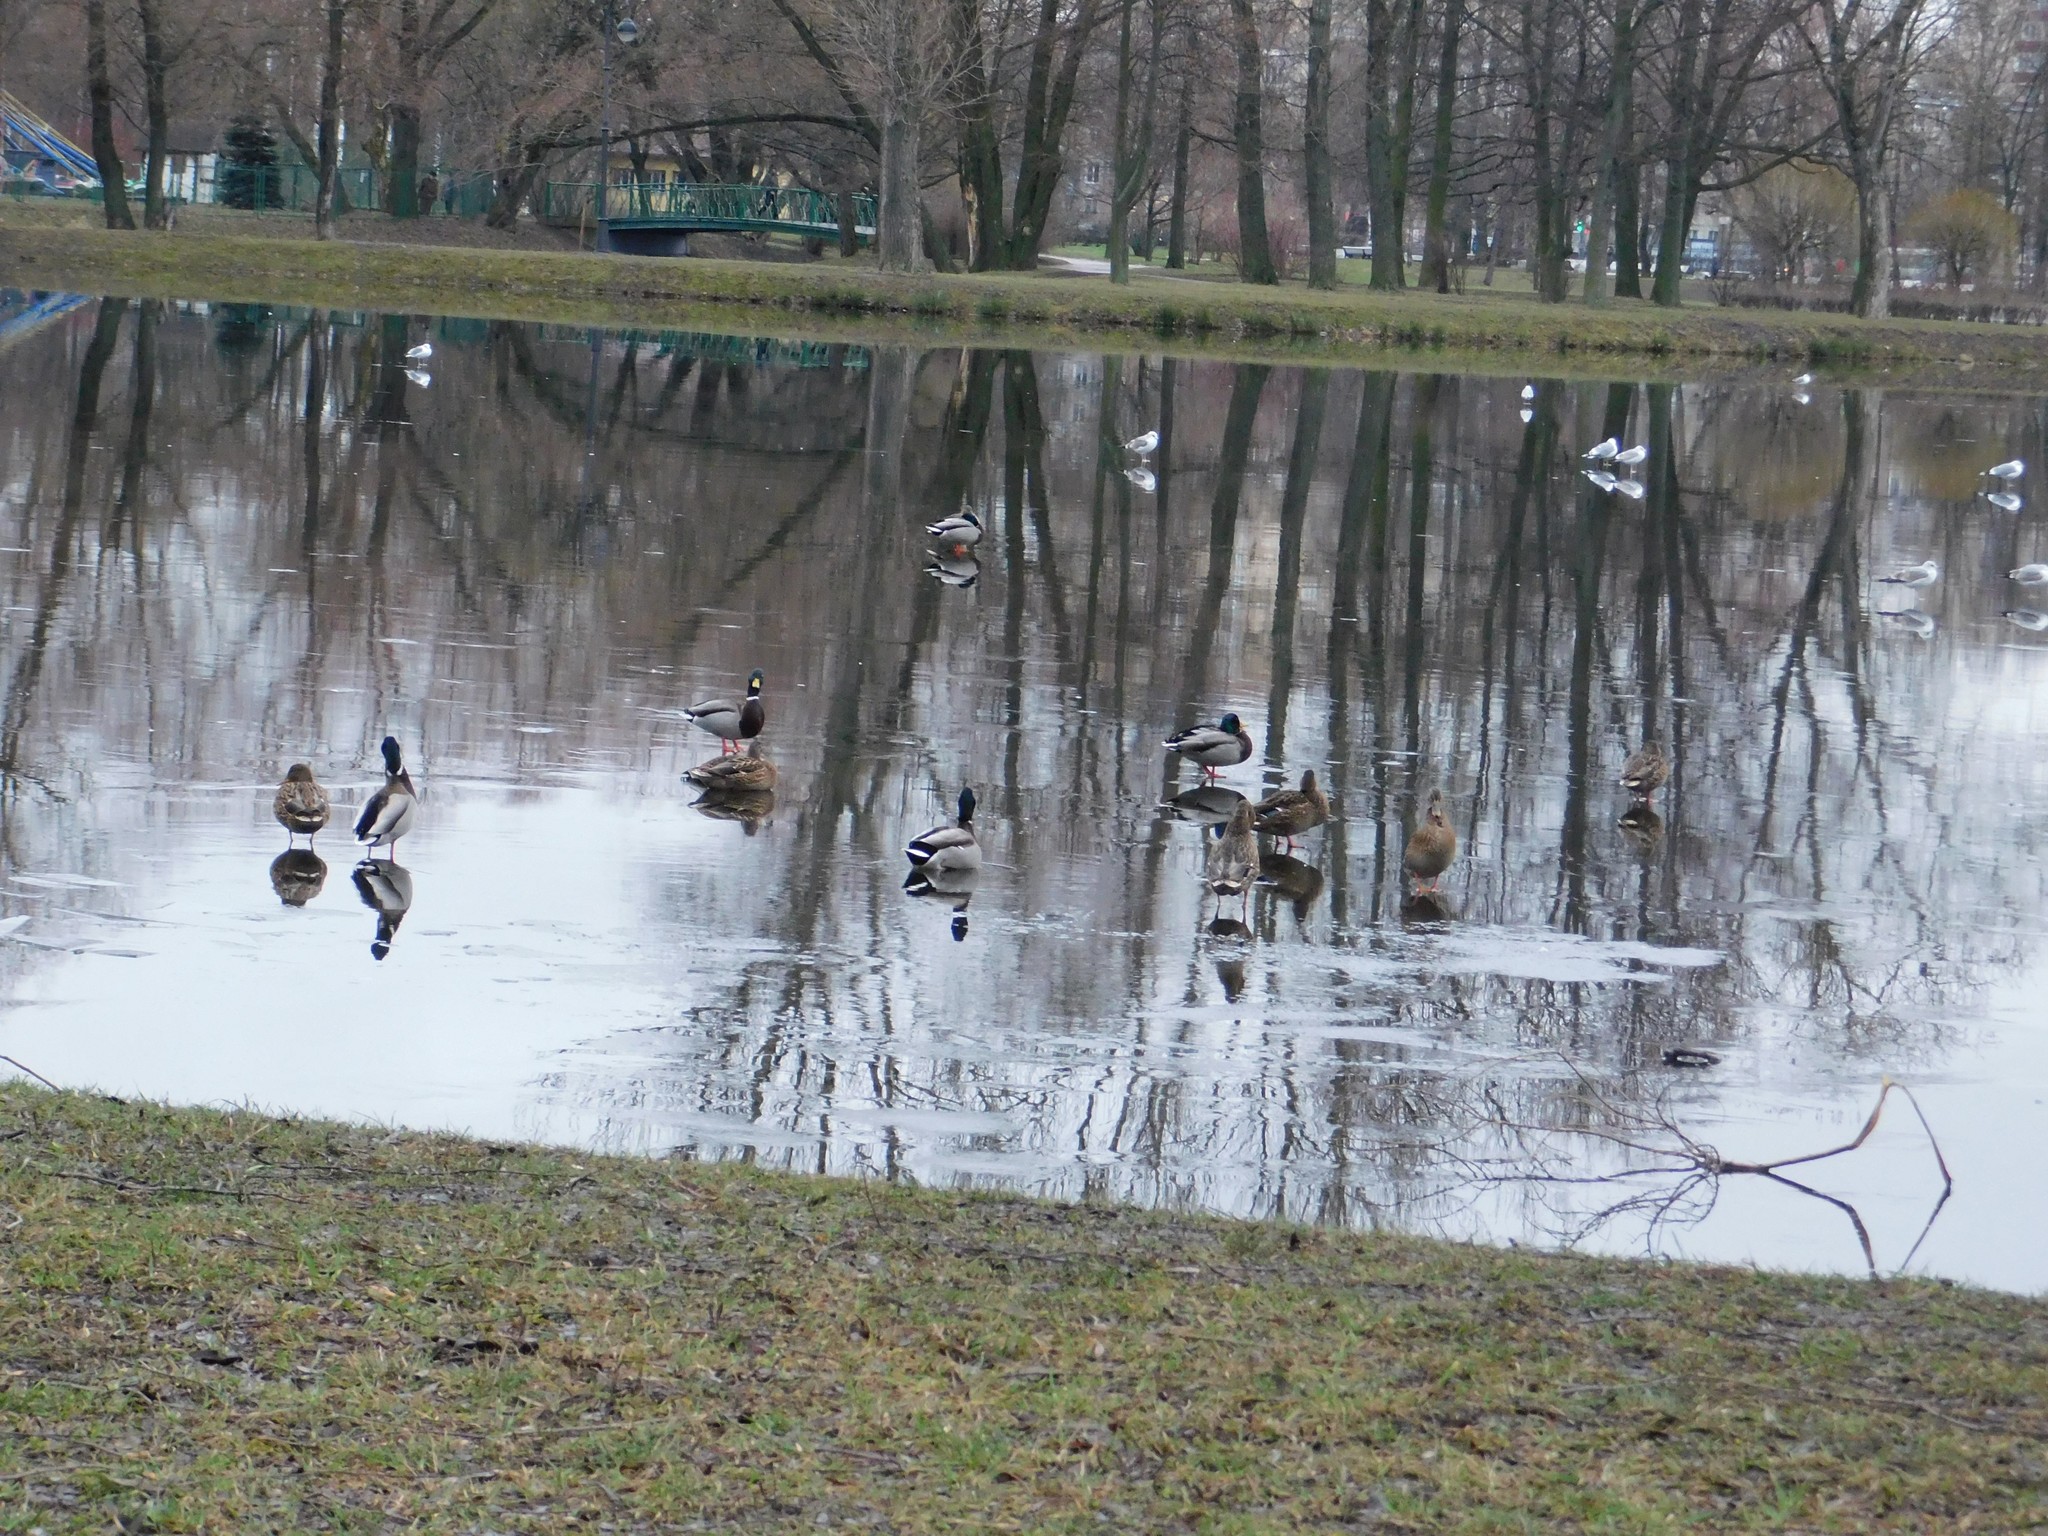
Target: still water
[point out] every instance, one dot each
(233, 538)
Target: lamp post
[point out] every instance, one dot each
(627, 31)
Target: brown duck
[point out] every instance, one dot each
(1433, 847)
(1645, 773)
(1287, 813)
(1234, 857)
(301, 804)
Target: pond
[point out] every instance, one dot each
(233, 538)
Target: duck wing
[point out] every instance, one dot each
(385, 810)
(1201, 738)
(927, 845)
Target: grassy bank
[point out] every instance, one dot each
(231, 1322)
(1024, 309)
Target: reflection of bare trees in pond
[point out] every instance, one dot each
(284, 539)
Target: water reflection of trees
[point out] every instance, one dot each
(282, 539)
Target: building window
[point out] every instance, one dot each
(1091, 174)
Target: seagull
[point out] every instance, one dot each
(2005, 501)
(1912, 621)
(2027, 618)
(1802, 381)
(420, 353)
(1143, 479)
(2011, 469)
(1601, 478)
(1602, 452)
(1527, 415)
(1528, 391)
(1632, 456)
(1925, 574)
(424, 380)
(1142, 444)
(1634, 490)
(2033, 575)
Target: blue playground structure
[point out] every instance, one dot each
(34, 151)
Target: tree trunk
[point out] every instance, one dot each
(1183, 145)
(898, 227)
(1254, 251)
(849, 224)
(1048, 100)
(937, 253)
(1436, 237)
(1628, 215)
(1134, 152)
(1119, 245)
(330, 121)
(981, 155)
(1871, 295)
(155, 66)
(402, 188)
(1620, 88)
(1315, 152)
(100, 88)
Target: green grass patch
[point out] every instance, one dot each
(218, 1321)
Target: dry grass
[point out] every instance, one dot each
(1497, 329)
(231, 1322)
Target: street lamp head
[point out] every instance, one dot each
(627, 31)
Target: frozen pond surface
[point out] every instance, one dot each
(233, 538)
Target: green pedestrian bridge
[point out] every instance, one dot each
(658, 208)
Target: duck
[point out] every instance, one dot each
(1287, 813)
(1925, 574)
(1233, 862)
(732, 723)
(944, 849)
(297, 875)
(1646, 771)
(300, 804)
(386, 889)
(2033, 574)
(388, 814)
(958, 534)
(1142, 444)
(1434, 845)
(1213, 747)
(746, 772)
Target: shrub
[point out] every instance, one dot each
(1970, 231)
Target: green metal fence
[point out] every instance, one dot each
(294, 185)
(704, 205)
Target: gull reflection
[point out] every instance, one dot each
(386, 889)
(297, 876)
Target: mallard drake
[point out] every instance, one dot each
(735, 771)
(386, 889)
(387, 815)
(1433, 847)
(1287, 813)
(1213, 747)
(300, 804)
(297, 875)
(749, 807)
(951, 848)
(1234, 858)
(732, 723)
(1646, 772)
(956, 533)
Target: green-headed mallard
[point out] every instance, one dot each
(958, 534)
(388, 814)
(1233, 861)
(1213, 747)
(297, 876)
(732, 723)
(735, 771)
(1287, 813)
(1434, 845)
(1645, 773)
(948, 848)
(301, 804)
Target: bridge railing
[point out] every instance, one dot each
(706, 204)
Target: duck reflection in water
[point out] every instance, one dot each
(1233, 861)
(1292, 881)
(737, 787)
(961, 570)
(297, 875)
(1424, 907)
(386, 889)
(951, 885)
(1206, 805)
(1643, 827)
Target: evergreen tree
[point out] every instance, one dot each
(248, 176)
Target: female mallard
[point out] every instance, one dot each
(1287, 813)
(731, 723)
(301, 804)
(1434, 845)
(948, 848)
(387, 815)
(1234, 859)
(746, 771)
(1644, 774)
(958, 534)
(1212, 747)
